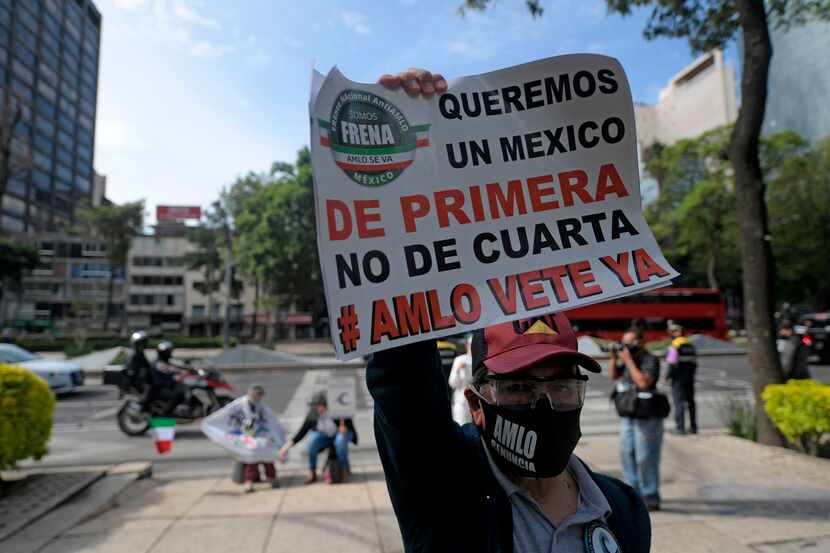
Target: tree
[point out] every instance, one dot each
(799, 205)
(14, 158)
(207, 258)
(15, 259)
(710, 24)
(116, 225)
(276, 239)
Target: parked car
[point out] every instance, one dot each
(815, 331)
(62, 376)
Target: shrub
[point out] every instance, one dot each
(737, 413)
(800, 409)
(26, 406)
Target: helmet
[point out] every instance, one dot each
(165, 350)
(138, 340)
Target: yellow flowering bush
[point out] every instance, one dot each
(801, 411)
(26, 406)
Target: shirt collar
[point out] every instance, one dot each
(589, 493)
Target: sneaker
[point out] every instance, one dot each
(275, 483)
(311, 479)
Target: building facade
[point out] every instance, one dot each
(49, 76)
(799, 81)
(68, 289)
(699, 98)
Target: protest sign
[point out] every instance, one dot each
(341, 393)
(514, 193)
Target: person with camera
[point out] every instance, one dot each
(641, 409)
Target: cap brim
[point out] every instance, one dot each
(527, 356)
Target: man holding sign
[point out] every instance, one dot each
(484, 205)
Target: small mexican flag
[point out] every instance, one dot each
(164, 429)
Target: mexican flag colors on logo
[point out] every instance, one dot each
(164, 430)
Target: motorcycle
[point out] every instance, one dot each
(207, 391)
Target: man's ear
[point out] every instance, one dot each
(474, 403)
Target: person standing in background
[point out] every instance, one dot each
(460, 378)
(681, 362)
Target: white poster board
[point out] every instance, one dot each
(514, 193)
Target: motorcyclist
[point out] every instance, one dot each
(137, 369)
(164, 379)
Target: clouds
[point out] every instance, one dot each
(182, 12)
(355, 22)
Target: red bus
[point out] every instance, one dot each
(698, 310)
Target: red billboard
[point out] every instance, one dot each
(178, 212)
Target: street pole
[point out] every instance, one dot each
(226, 326)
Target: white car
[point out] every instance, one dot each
(62, 376)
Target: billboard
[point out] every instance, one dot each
(178, 212)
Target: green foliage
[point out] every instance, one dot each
(798, 201)
(710, 24)
(26, 406)
(72, 347)
(15, 258)
(738, 415)
(533, 6)
(276, 240)
(800, 409)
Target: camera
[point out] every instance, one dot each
(617, 346)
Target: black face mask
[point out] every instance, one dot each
(533, 442)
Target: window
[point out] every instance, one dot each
(17, 185)
(24, 73)
(51, 23)
(12, 224)
(22, 89)
(87, 92)
(85, 121)
(41, 180)
(69, 110)
(88, 77)
(91, 49)
(66, 122)
(73, 15)
(4, 56)
(64, 155)
(71, 46)
(28, 58)
(47, 91)
(70, 65)
(27, 18)
(73, 30)
(85, 153)
(5, 16)
(26, 37)
(44, 125)
(197, 311)
(88, 107)
(66, 140)
(22, 130)
(47, 74)
(50, 57)
(14, 205)
(54, 6)
(94, 249)
(62, 186)
(83, 184)
(43, 143)
(85, 137)
(84, 170)
(45, 107)
(70, 91)
(42, 161)
(49, 40)
(63, 172)
(64, 205)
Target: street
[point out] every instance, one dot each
(85, 430)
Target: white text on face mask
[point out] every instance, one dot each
(515, 438)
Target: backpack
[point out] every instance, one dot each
(686, 358)
(333, 472)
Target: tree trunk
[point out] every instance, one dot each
(712, 264)
(109, 300)
(756, 254)
(256, 310)
(124, 297)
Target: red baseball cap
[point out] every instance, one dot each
(509, 347)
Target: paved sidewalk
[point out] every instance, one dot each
(720, 494)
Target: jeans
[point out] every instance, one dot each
(640, 443)
(318, 442)
(683, 394)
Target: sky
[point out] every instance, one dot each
(195, 93)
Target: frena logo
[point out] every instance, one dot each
(371, 139)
